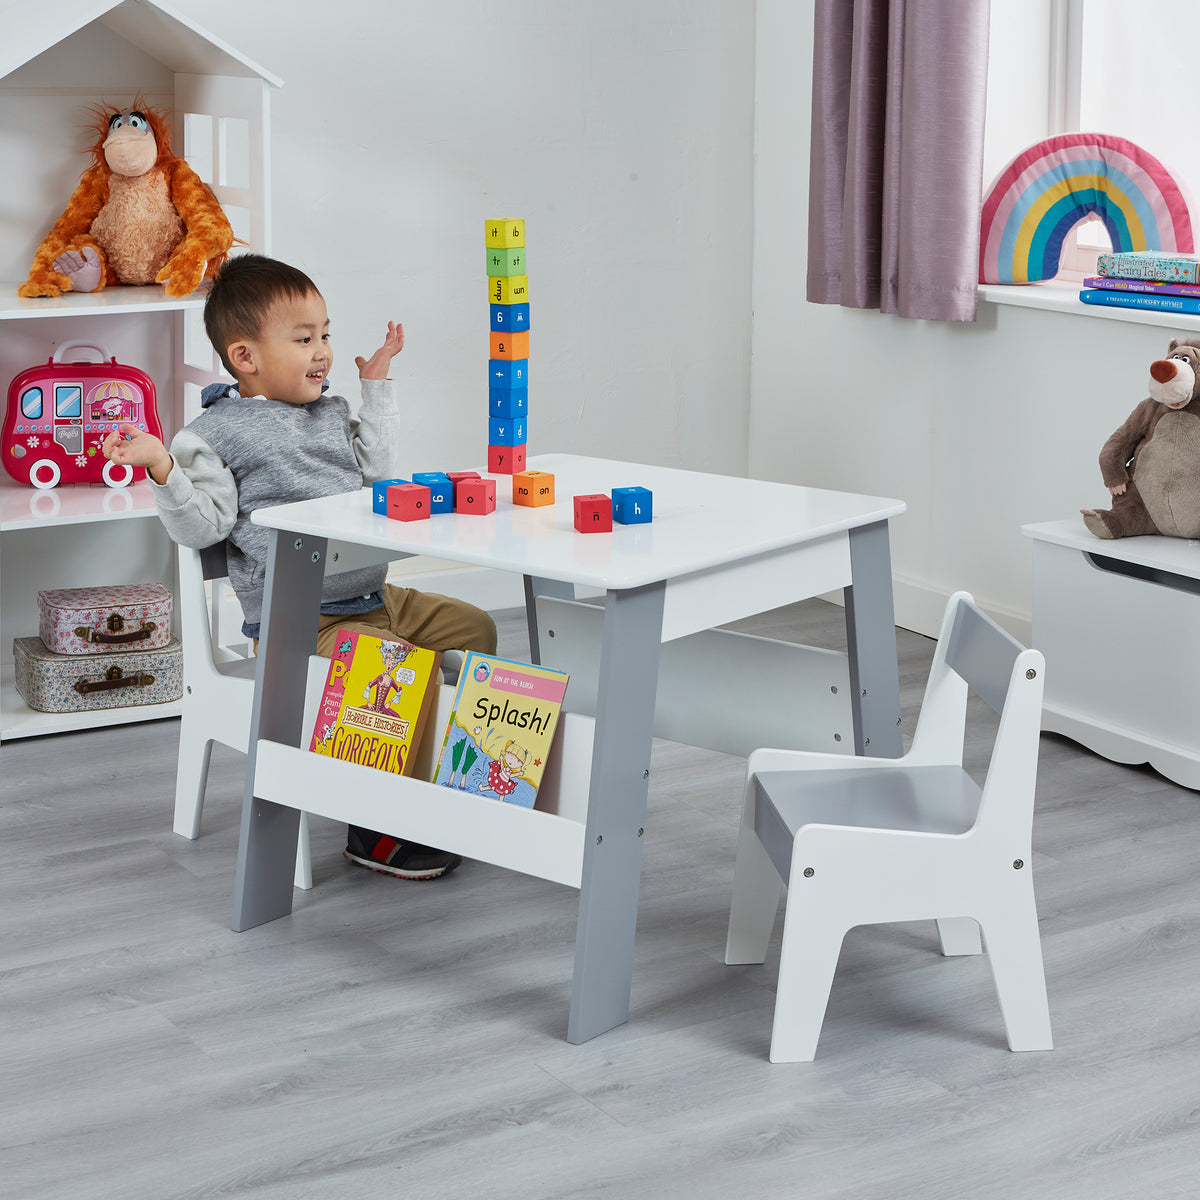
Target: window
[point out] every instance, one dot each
(1104, 66)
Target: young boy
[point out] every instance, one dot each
(274, 437)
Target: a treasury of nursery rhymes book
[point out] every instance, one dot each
(500, 731)
(377, 696)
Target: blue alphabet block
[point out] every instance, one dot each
(510, 318)
(508, 402)
(506, 431)
(508, 372)
(379, 494)
(441, 490)
(632, 505)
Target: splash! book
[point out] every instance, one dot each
(500, 731)
(377, 696)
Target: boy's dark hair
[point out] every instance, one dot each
(242, 293)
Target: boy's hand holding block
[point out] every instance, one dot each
(475, 496)
(533, 488)
(408, 502)
(441, 490)
(593, 514)
(632, 505)
(379, 494)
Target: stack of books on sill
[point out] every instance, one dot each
(1163, 280)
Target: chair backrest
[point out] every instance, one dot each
(975, 654)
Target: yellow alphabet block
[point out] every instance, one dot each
(533, 488)
(508, 289)
(504, 231)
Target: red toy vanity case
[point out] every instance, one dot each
(104, 620)
(59, 413)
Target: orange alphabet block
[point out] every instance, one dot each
(533, 488)
(509, 345)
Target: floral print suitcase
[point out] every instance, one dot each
(103, 620)
(52, 682)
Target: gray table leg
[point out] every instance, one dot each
(535, 587)
(871, 637)
(612, 858)
(267, 850)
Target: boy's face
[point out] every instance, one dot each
(292, 356)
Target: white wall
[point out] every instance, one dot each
(979, 428)
(620, 130)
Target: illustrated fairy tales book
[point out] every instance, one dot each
(377, 697)
(499, 734)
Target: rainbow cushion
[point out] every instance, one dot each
(1048, 189)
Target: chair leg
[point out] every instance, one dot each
(190, 779)
(807, 963)
(959, 935)
(303, 878)
(756, 891)
(1014, 947)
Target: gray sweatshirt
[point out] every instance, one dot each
(244, 453)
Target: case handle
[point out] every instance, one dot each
(136, 635)
(113, 681)
(57, 356)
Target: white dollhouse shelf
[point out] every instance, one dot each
(55, 60)
(108, 302)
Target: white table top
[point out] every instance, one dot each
(700, 521)
(1176, 555)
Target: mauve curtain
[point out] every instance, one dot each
(899, 92)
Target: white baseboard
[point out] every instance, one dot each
(920, 608)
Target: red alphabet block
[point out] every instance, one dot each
(506, 460)
(477, 496)
(593, 514)
(456, 477)
(408, 502)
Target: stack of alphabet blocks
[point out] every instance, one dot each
(508, 360)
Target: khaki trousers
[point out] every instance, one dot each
(423, 618)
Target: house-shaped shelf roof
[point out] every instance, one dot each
(173, 40)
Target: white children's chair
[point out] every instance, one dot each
(862, 841)
(217, 696)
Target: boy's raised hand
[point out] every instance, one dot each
(135, 447)
(376, 367)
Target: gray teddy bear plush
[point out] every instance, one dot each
(1151, 465)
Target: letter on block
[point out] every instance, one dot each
(506, 262)
(441, 490)
(408, 502)
(508, 402)
(593, 514)
(379, 494)
(510, 318)
(475, 496)
(508, 372)
(504, 231)
(631, 505)
(504, 431)
(511, 289)
(509, 345)
(533, 488)
(506, 460)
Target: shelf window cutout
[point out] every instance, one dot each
(233, 141)
(198, 144)
(239, 220)
(197, 349)
(191, 401)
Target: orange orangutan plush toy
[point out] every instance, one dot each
(139, 215)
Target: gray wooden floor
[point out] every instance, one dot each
(408, 1039)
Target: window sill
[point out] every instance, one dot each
(1061, 296)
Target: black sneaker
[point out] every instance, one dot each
(405, 860)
